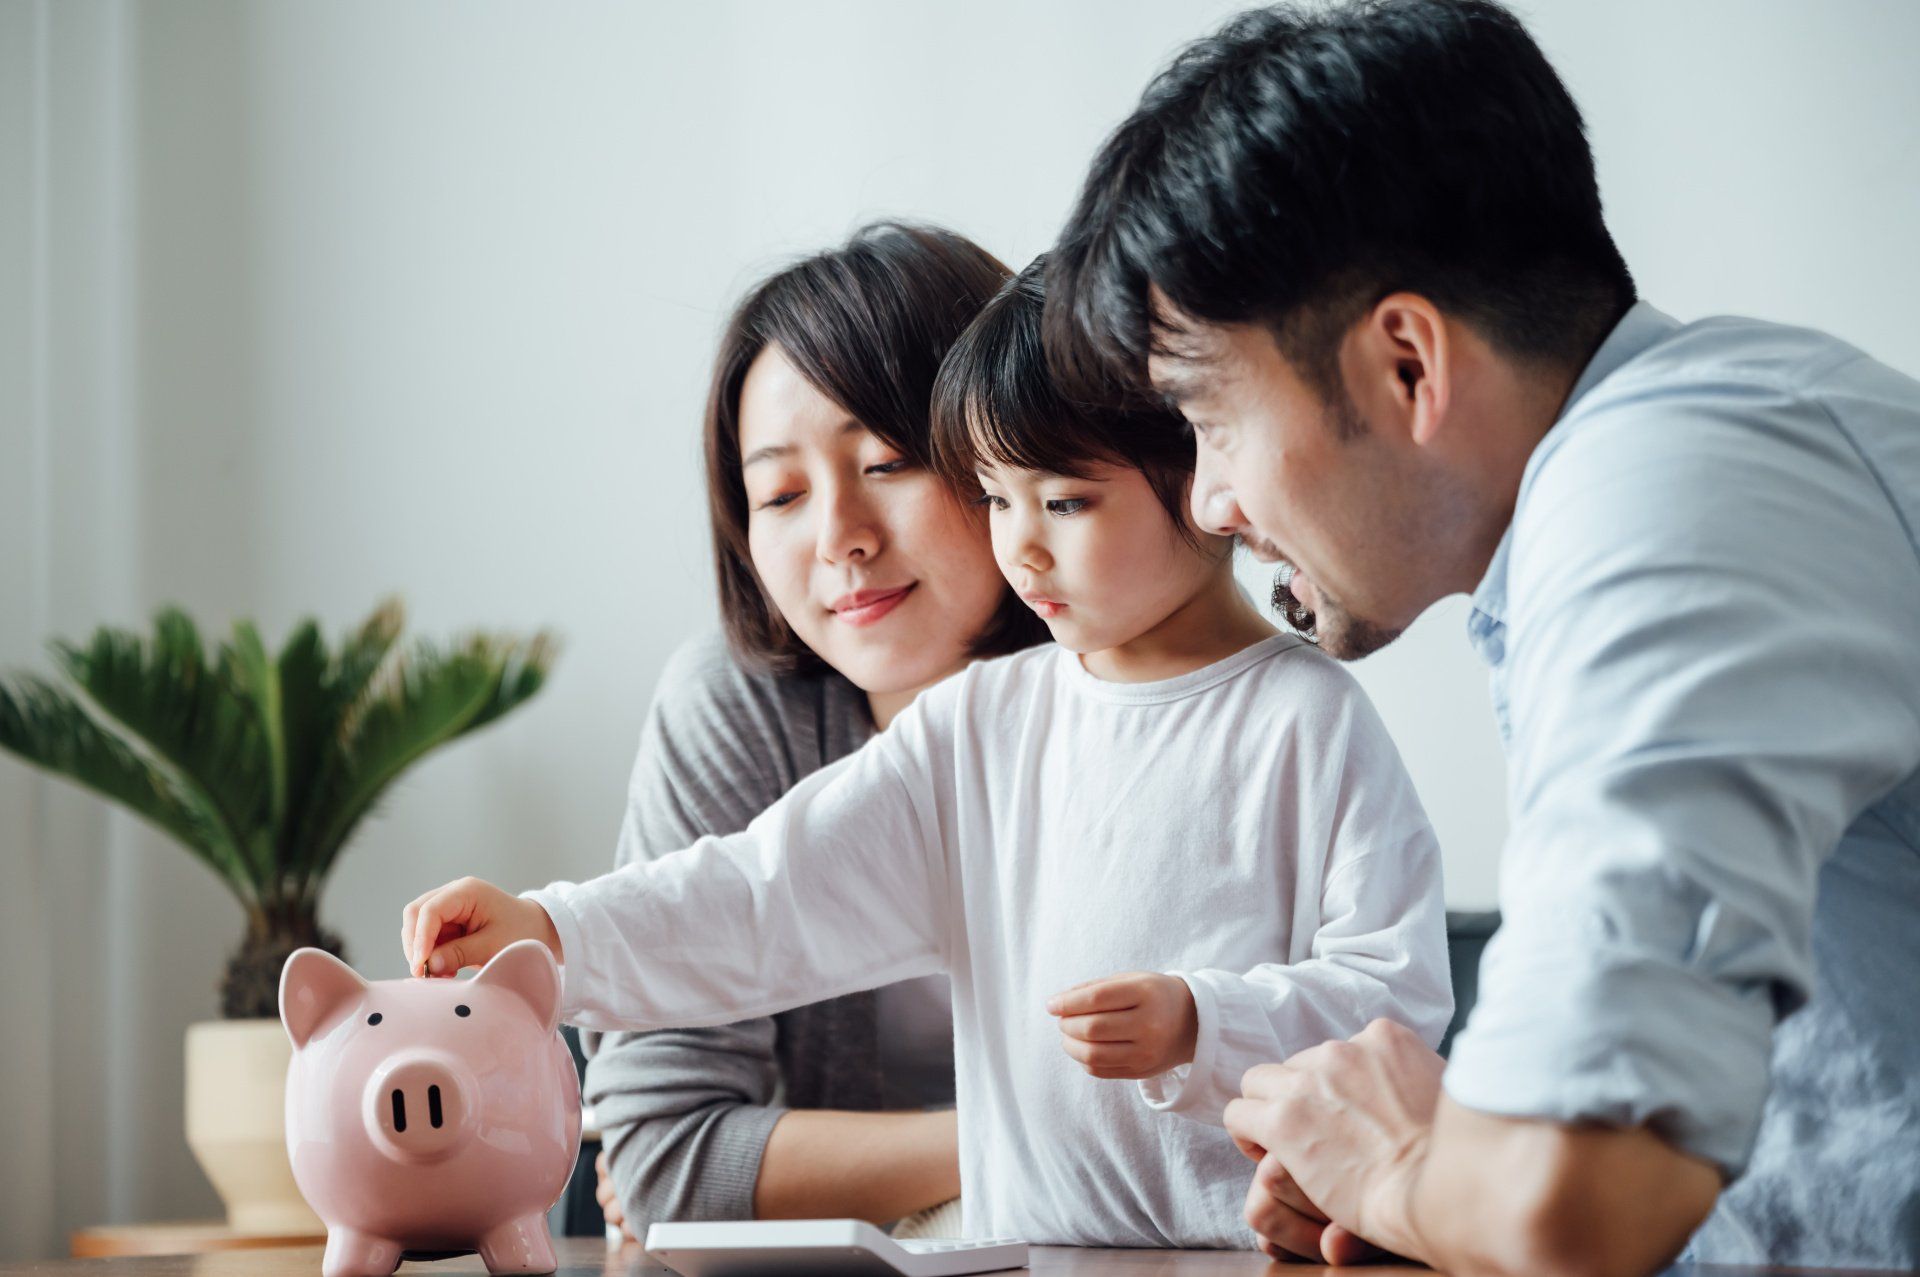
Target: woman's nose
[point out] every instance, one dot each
(848, 529)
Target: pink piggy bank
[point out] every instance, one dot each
(428, 1118)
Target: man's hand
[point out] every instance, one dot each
(1135, 1025)
(1341, 1132)
(465, 923)
(609, 1199)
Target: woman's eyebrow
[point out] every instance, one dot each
(852, 425)
(767, 453)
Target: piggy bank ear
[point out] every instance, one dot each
(527, 969)
(313, 985)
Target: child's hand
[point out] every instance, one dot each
(1128, 1026)
(465, 923)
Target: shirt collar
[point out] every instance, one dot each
(1640, 328)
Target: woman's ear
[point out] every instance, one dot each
(526, 968)
(314, 985)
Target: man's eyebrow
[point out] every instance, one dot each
(1176, 388)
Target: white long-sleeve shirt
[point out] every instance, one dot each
(1023, 827)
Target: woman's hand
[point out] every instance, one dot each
(609, 1199)
(1128, 1026)
(465, 923)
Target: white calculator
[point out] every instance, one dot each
(805, 1247)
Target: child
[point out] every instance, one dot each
(1172, 846)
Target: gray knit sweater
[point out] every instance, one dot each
(685, 1114)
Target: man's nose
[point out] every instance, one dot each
(1214, 508)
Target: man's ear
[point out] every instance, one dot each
(313, 986)
(1411, 351)
(526, 968)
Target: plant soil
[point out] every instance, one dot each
(251, 986)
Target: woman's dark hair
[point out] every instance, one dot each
(996, 403)
(867, 324)
(1302, 163)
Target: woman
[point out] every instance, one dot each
(850, 578)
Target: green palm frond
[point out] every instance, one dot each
(523, 671)
(188, 715)
(50, 729)
(421, 700)
(263, 765)
(363, 653)
(309, 717)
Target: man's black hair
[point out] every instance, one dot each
(1302, 163)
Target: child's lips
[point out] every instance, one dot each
(1046, 607)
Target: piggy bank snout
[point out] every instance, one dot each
(418, 1106)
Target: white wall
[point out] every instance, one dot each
(304, 303)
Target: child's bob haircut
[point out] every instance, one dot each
(994, 403)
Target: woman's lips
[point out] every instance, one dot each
(867, 607)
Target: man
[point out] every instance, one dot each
(1362, 249)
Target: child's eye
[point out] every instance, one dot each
(889, 467)
(1065, 506)
(990, 501)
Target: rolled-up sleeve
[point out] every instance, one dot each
(1710, 660)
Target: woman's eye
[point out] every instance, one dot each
(1066, 506)
(775, 503)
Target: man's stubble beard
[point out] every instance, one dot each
(1336, 631)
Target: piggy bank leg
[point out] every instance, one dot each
(351, 1253)
(518, 1246)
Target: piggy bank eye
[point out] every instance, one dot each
(463, 1010)
(374, 1018)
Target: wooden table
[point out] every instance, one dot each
(588, 1257)
(108, 1241)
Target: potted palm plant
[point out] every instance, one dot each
(261, 765)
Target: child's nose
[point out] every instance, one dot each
(1031, 555)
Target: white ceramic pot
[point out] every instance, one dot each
(236, 1123)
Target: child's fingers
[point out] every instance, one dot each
(1100, 1055)
(470, 950)
(427, 915)
(1102, 1026)
(409, 925)
(1113, 994)
(451, 905)
(449, 933)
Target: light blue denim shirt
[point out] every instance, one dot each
(1703, 631)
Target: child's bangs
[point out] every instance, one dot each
(1026, 431)
(995, 403)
